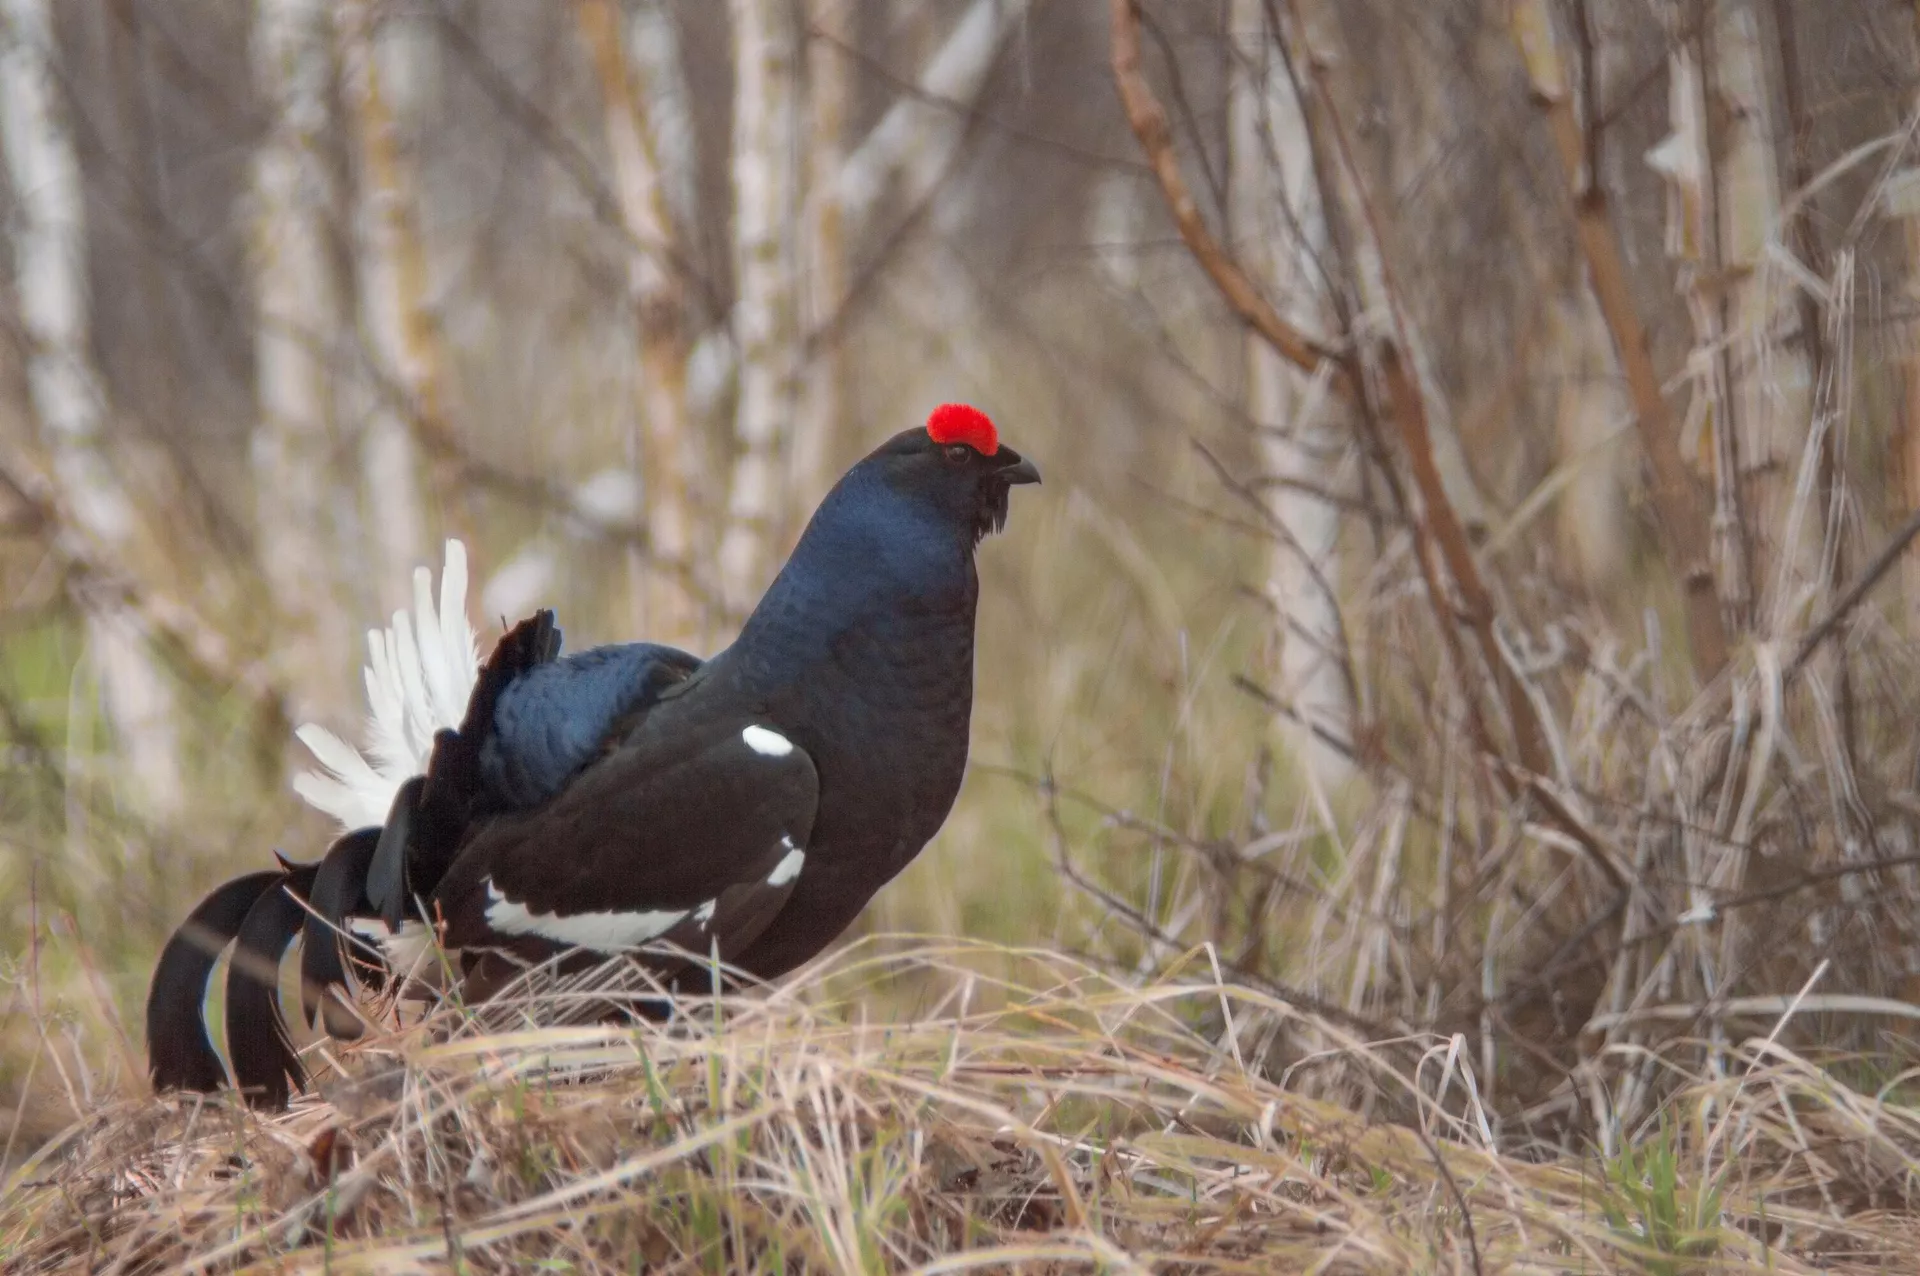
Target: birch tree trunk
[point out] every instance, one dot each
(1723, 203)
(916, 140)
(765, 316)
(667, 452)
(1769, 376)
(1901, 200)
(401, 334)
(825, 280)
(1280, 225)
(910, 150)
(67, 393)
(660, 80)
(1594, 520)
(298, 316)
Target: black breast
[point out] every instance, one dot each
(886, 720)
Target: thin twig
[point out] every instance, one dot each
(1881, 564)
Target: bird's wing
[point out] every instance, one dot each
(533, 720)
(693, 835)
(554, 720)
(533, 723)
(426, 821)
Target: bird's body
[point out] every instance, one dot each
(748, 805)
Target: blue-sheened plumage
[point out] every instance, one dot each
(633, 798)
(555, 719)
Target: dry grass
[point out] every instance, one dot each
(1041, 1115)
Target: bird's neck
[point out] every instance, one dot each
(870, 563)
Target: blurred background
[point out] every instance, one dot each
(1469, 588)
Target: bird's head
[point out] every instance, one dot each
(902, 523)
(956, 465)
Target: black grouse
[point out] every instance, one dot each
(632, 795)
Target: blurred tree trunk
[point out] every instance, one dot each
(67, 393)
(401, 334)
(765, 318)
(815, 445)
(916, 140)
(660, 78)
(911, 148)
(1769, 375)
(1902, 202)
(1595, 465)
(297, 318)
(1589, 415)
(1352, 169)
(668, 452)
(1280, 226)
(1698, 219)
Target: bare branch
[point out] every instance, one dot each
(1686, 534)
(1149, 123)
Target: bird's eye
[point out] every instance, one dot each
(957, 453)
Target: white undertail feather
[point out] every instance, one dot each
(410, 953)
(420, 673)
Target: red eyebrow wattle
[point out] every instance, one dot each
(963, 423)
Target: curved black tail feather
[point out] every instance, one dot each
(180, 1054)
(387, 871)
(339, 894)
(265, 1067)
(372, 872)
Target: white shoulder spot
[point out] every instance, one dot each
(603, 932)
(789, 866)
(766, 741)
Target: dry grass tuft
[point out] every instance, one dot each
(1042, 1115)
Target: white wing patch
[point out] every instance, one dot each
(420, 673)
(766, 741)
(605, 932)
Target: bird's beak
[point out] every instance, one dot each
(1020, 471)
